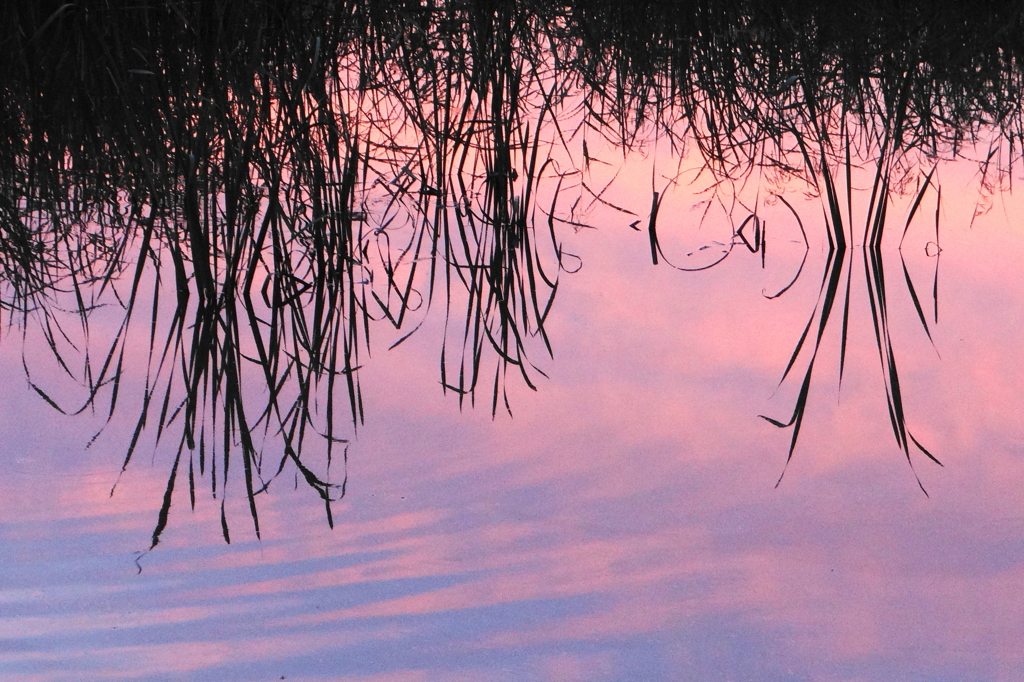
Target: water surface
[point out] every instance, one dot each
(634, 518)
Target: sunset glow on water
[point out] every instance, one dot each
(511, 341)
(623, 524)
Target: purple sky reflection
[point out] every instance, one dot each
(623, 525)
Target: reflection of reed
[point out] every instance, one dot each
(298, 172)
(276, 169)
(492, 149)
(833, 287)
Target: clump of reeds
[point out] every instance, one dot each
(295, 173)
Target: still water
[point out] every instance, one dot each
(623, 524)
(305, 189)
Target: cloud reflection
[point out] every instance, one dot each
(623, 525)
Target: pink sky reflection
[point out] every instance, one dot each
(635, 489)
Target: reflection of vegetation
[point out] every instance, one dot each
(302, 170)
(833, 288)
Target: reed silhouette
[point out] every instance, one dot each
(303, 172)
